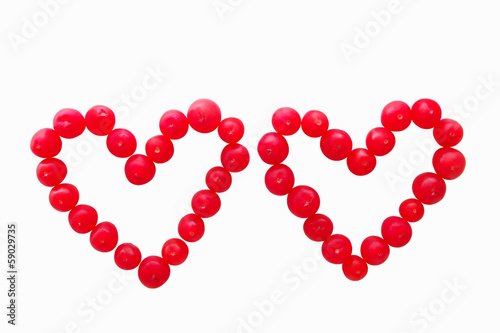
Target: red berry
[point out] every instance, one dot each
(448, 133)
(127, 256)
(139, 169)
(51, 171)
(336, 249)
(69, 123)
(396, 231)
(175, 251)
(380, 141)
(411, 210)
(231, 130)
(235, 157)
(82, 218)
(336, 144)
(205, 203)
(272, 148)
(153, 272)
(159, 149)
(279, 179)
(218, 179)
(100, 120)
(318, 227)
(361, 162)
(104, 237)
(286, 121)
(314, 124)
(429, 188)
(374, 250)
(46, 143)
(355, 268)
(191, 228)
(204, 116)
(449, 163)
(174, 124)
(396, 116)
(426, 113)
(121, 143)
(303, 201)
(64, 197)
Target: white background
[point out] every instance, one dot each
(251, 60)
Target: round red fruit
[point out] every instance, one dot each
(153, 272)
(336, 249)
(448, 163)
(64, 197)
(279, 179)
(336, 144)
(121, 143)
(315, 124)
(100, 120)
(191, 228)
(374, 250)
(411, 210)
(380, 141)
(361, 161)
(318, 227)
(204, 116)
(82, 218)
(46, 143)
(104, 237)
(235, 157)
(218, 179)
(396, 116)
(139, 169)
(231, 130)
(51, 171)
(396, 231)
(127, 256)
(448, 133)
(272, 148)
(286, 121)
(429, 188)
(69, 123)
(159, 149)
(426, 113)
(175, 251)
(174, 124)
(355, 268)
(303, 201)
(205, 203)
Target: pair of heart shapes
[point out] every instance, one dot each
(204, 116)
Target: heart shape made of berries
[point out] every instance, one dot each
(203, 116)
(304, 202)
